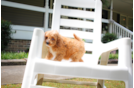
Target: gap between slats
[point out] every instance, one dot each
(81, 34)
(70, 82)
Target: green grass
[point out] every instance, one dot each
(21, 55)
(108, 84)
(13, 55)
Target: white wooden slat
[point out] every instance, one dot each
(76, 23)
(112, 28)
(119, 31)
(77, 13)
(122, 33)
(89, 47)
(79, 3)
(32, 86)
(87, 58)
(81, 34)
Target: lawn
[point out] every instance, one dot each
(22, 55)
(108, 84)
(13, 55)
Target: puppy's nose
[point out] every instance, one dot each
(47, 42)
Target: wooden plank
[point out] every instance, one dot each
(70, 82)
(77, 13)
(77, 23)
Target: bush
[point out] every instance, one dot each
(108, 37)
(5, 33)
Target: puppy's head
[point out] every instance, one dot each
(51, 37)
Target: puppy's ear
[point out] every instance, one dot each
(45, 35)
(59, 41)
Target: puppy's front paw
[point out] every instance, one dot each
(55, 60)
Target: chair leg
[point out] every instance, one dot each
(40, 79)
(104, 61)
(100, 84)
(128, 84)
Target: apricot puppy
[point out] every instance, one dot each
(61, 47)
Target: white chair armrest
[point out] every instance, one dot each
(35, 51)
(124, 47)
(36, 43)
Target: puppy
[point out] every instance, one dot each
(61, 47)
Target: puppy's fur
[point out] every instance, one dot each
(64, 48)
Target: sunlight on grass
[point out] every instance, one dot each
(108, 84)
(13, 55)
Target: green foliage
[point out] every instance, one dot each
(108, 37)
(106, 3)
(83, 40)
(5, 33)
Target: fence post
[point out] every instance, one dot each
(46, 15)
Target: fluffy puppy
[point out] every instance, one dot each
(61, 47)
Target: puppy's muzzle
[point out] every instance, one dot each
(47, 43)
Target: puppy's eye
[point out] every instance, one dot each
(46, 37)
(52, 38)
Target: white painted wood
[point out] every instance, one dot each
(81, 34)
(56, 15)
(105, 21)
(27, 35)
(23, 32)
(119, 32)
(24, 28)
(77, 13)
(79, 3)
(22, 6)
(112, 31)
(89, 47)
(123, 28)
(76, 23)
